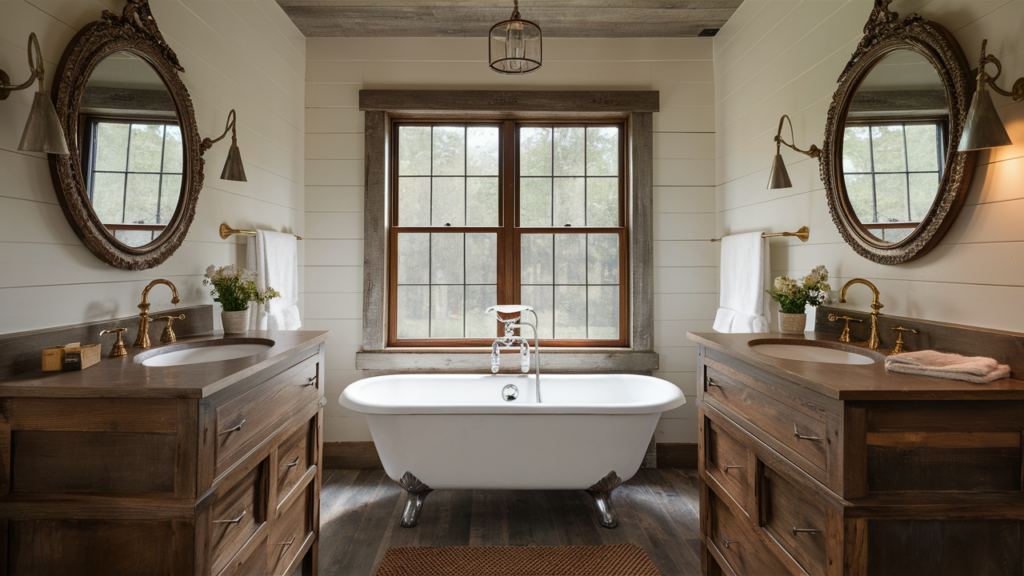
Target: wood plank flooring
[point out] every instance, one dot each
(361, 511)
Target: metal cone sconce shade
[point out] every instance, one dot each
(984, 128)
(233, 169)
(514, 46)
(42, 130)
(779, 177)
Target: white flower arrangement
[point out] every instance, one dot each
(234, 287)
(793, 295)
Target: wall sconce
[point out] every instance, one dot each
(42, 131)
(779, 177)
(233, 169)
(983, 128)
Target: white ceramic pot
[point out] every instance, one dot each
(235, 322)
(792, 323)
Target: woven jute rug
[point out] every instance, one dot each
(611, 560)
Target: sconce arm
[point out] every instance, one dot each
(813, 151)
(38, 72)
(228, 127)
(983, 77)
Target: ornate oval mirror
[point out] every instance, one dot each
(894, 179)
(130, 184)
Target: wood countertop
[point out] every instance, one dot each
(852, 382)
(128, 378)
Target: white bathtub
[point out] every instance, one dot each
(456, 431)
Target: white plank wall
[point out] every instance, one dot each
(241, 54)
(779, 57)
(684, 144)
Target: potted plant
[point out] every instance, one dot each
(235, 288)
(793, 297)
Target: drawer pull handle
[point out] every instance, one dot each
(711, 382)
(234, 429)
(727, 468)
(235, 521)
(296, 463)
(803, 531)
(288, 543)
(796, 432)
(727, 541)
(311, 381)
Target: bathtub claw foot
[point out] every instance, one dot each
(417, 493)
(602, 494)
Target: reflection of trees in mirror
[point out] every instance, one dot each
(133, 174)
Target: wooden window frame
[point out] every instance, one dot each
(633, 108)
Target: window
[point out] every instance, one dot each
(891, 170)
(133, 171)
(507, 212)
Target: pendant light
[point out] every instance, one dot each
(514, 46)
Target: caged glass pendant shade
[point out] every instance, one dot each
(514, 46)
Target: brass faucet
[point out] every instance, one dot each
(876, 307)
(142, 340)
(845, 336)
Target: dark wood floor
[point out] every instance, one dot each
(361, 511)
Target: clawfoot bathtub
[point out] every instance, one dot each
(449, 431)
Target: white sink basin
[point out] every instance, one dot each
(811, 353)
(207, 353)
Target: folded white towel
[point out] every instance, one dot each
(274, 257)
(974, 369)
(744, 277)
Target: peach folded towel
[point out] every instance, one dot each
(974, 369)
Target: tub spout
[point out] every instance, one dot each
(495, 357)
(602, 494)
(417, 492)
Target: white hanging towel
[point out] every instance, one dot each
(274, 257)
(743, 302)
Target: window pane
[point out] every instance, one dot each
(108, 197)
(447, 264)
(482, 151)
(922, 194)
(413, 318)
(170, 193)
(887, 142)
(482, 259)
(147, 148)
(602, 201)
(535, 151)
(414, 150)
(449, 154)
(602, 151)
(481, 201)
(856, 149)
(534, 202)
(540, 298)
(536, 265)
(891, 197)
(448, 202)
(569, 152)
(172, 150)
(603, 312)
(859, 191)
(414, 259)
(923, 148)
(569, 201)
(447, 307)
(603, 259)
(570, 259)
(112, 146)
(133, 238)
(478, 299)
(141, 200)
(414, 201)
(570, 312)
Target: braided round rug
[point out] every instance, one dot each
(611, 560)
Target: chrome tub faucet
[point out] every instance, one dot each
(511, 340)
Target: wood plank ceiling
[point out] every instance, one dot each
(473, 18)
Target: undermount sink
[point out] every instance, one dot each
(205, 351)
(813, 351)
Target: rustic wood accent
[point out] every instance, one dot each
(134, 31)
(885, 34)
(898, 547)
(241, 502)
(133, 101)
(898, 103)
(498, 101)
(19, 351)
(974, 469)
(746, 552)
(375, 226)
(727, 466)
(786, 507)
(640, 167)
(473, 18)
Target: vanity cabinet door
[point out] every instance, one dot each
(291, 531)
(738, 543)
(293, 459)
(238, 512)
(795, 520)
(728, 462)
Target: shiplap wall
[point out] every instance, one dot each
(242, 54)
(684, 201)
(779, 57)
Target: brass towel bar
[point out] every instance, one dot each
(226, 231)
(803, 234)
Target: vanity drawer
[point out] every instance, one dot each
(292, 459)
(792, 427)
(237, 514)
(290, 531)
(251, 561)
(738, 543)
(243, 421)
(796, 521)
(727, 461)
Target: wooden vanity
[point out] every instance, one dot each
(813, 468)
(205, 469)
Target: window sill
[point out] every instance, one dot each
(559, 360)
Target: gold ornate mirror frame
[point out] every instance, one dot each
(884, 34)
(134, 31)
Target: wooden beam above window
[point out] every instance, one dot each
(509, 101)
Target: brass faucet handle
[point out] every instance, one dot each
(898, 349)
(845, 336)
(835, 318)
(168, 336)
(118, 351)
